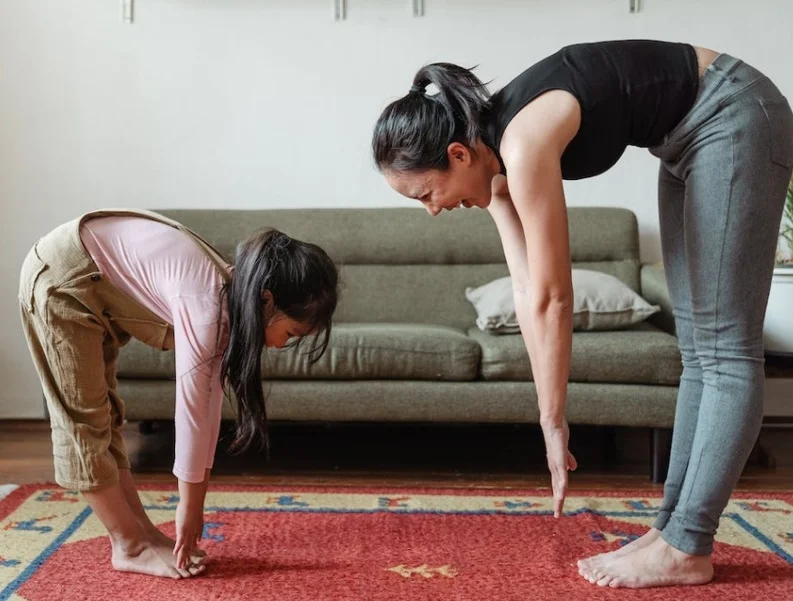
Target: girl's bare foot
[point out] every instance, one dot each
(127, 485)
(658, 564)
(586, 566)
(138, 545)
(151, 558)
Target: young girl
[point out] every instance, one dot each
(724, 134)
(93, 283)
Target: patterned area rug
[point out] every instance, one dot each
(370, 545)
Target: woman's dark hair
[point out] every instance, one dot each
(304, 283)
(414, 131)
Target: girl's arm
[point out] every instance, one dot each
(199, 397)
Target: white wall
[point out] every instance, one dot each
(265, 103)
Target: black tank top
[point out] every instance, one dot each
(631, 92)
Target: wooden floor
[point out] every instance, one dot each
(402, 456)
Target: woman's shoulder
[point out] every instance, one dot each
(546, 124)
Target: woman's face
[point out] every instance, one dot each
(466, 183)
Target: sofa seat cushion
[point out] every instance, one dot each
(357, 351)
(640, 355)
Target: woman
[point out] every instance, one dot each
(91, 284)
(724, 134)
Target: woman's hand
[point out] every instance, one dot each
(559, 461)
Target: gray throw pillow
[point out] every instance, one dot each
(600, 302)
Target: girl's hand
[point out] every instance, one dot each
(189, 529)
(189, 518)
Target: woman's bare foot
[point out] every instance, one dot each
(151, 558)
(657, 564)
(586, 566)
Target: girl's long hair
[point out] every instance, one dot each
(303, 281)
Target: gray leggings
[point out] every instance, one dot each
(721, 191)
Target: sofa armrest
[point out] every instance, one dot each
(656, 292)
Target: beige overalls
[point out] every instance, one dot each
(75, 321)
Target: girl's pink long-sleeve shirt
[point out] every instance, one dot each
(161, 268)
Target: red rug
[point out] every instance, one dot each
(372, 545)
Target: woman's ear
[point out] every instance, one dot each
(459, 153)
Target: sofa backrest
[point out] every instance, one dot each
(400, 265)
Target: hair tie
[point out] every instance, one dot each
(414, 89)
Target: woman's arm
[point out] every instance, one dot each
(536, 242)
(537, 300)
(544, 296)
(552, 405)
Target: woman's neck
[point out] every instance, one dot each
(489, 158)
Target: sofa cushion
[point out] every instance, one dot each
(407, 236)
(600, 302)
(639, 355)
(356, 351)
(385, 351)
(479, 402)
(398, 265)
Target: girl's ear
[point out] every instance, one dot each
(268, 304)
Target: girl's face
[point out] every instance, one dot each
(466, 183)
(280, 328)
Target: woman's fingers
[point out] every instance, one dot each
(559, 491)
(572, 464)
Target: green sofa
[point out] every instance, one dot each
(405, 347)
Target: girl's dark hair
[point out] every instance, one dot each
(414, 131)
(304, 283)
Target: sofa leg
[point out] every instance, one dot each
(610, 452)
(660, 449)
(146, 427)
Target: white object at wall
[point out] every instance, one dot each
(339, 9)
(778, 400)
(778, 327)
